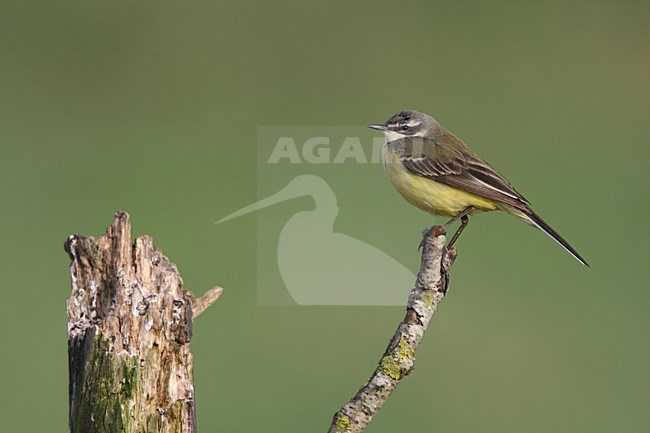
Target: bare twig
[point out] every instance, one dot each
(201, 304)
(397, 362)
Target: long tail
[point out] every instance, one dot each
(533, 219)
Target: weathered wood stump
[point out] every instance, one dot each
(129, 331)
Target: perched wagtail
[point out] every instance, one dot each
(436, 172)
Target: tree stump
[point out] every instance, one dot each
(129, 331)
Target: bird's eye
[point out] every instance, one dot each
(403, 127)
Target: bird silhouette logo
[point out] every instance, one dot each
(322, 267)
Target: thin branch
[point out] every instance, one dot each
(397, 362)
(199, 305)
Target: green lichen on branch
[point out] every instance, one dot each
(405, 350)
(427, 298)
(343, 423)
(390, 367)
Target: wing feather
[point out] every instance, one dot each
(457, 166)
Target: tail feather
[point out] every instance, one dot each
(533, 219)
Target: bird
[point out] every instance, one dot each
(437, 172)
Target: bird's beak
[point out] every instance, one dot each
(378, 127)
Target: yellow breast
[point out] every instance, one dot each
(428, 195)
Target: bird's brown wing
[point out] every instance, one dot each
(457, 166)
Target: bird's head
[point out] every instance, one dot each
(407, 123)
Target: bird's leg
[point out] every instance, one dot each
(461, 215)
(463, 223)
(464, 220)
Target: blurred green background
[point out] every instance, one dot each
(153, 108)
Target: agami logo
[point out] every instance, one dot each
(318, 150)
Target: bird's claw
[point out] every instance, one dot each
(444, 268)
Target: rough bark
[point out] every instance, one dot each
(397, 362)
(129, 331)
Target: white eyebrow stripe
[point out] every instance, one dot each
(413, 122)
(393, 135)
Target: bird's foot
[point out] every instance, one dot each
(425, 233)
(448, 257)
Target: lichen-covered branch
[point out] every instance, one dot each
(129, 331)
(397, 362)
